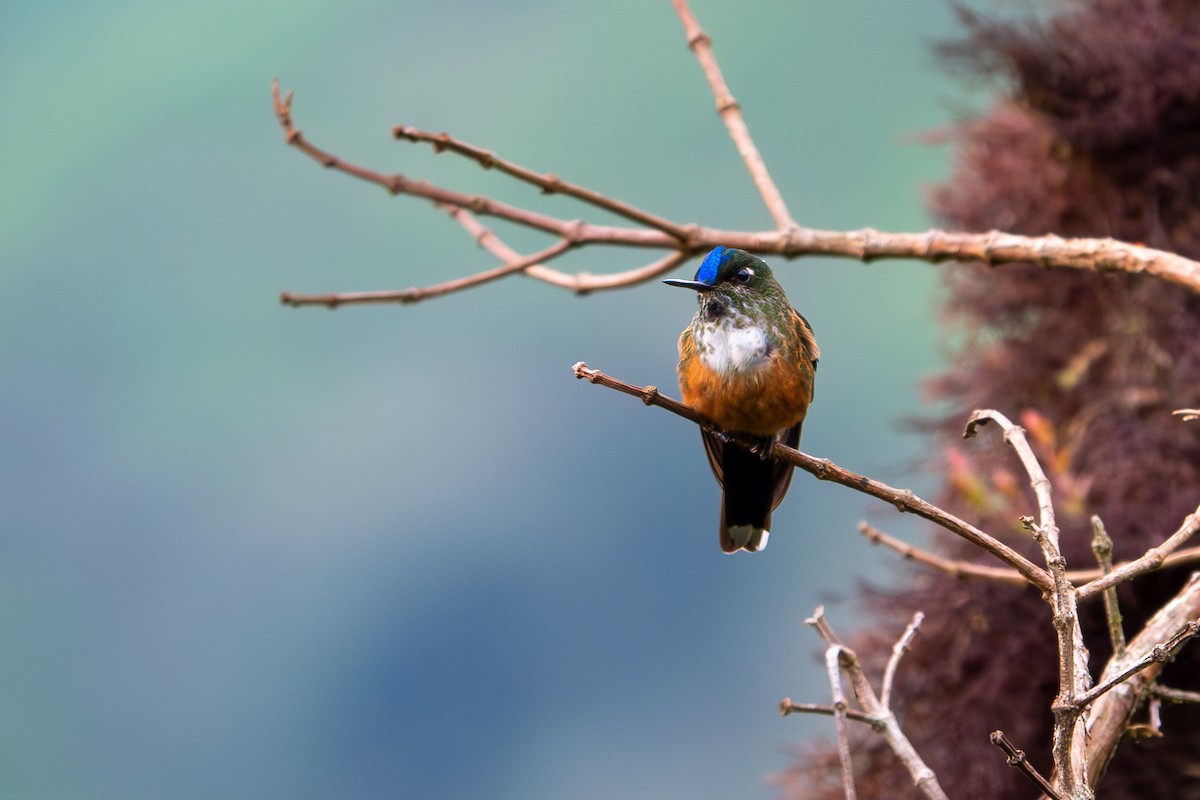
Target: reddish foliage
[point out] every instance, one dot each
(1097, 133)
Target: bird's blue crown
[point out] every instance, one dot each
(711, 265)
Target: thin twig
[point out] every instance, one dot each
(731, 114)
(787, 706)
(548, 183)
(580, 282)
(1159, 654)
(840, 706)
(396, 183)
(1151, 559)
(966, 570)
(415, 295)
(824, 469)
(1016, 758)
(1102, 547)
(821, 625)
(1015, 436)
(1175, 695)
(952, 567)
(898, 650)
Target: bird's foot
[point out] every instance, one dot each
(721, 436)
(762, 447)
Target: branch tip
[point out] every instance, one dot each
(977, 418)
(1015, 757)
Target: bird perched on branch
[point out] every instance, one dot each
(746, 363)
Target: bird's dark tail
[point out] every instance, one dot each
(753, 487)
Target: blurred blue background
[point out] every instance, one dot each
(250, 551)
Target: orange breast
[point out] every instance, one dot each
(761, 402)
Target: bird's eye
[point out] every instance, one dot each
(743, 275)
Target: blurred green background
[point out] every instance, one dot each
(252, 552)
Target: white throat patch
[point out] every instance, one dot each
(732, 345)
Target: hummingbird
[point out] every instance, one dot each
(746, 362)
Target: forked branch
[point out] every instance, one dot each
(874, 709)
(1128, 679)
(1089, 720)
(678, 241)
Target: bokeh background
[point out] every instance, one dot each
(250, 551)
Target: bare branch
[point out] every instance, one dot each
(1070, 735)
(1015, 436)
(414, 295)
(878, 713)
(824, 469)
(818, 622)
(1016, 758)
(787, 706)
(548, 183)
(395, 183)
(1175, 695)
(1158, 654)
(1102, 547)
(965, 569)
(580, 282)
(898, 650)
(957, 569)
(832, 657)
(1151, 559)
(731, 114)
(1108, 716)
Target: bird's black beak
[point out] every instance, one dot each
(697, 286)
